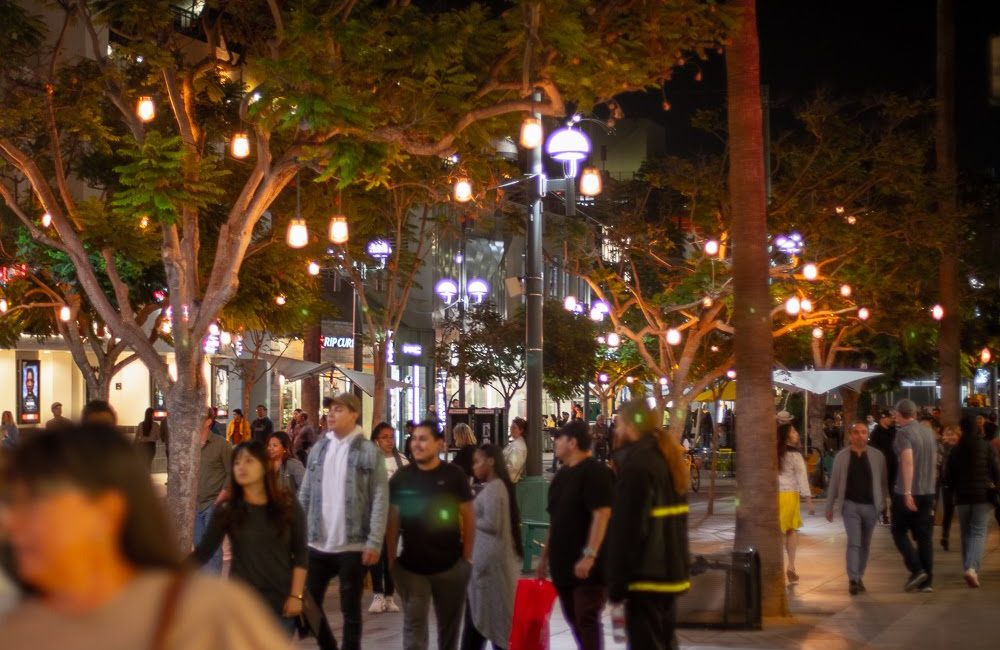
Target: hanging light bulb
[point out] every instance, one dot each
(531, 133)
(864, 314)
(845, 290)
(817, 332)
(591, 182)
(673, 336)
(46, 220)
(239, 146)
(569, 304)
(3, 306)
(145, 108)
(313, 268)
(793, 306)
(298, 233)
(839, 209)
(614, 340)
(463, 190)
(280, 299)
(806, 304)
(711, 248)
(65, 314)
(339, 233)
(985, 356)
(143, 222)
(810, 271)
(851, 220)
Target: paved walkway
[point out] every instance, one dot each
(824, 615)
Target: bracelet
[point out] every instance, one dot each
(589, 552)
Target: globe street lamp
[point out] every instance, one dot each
(448, 290)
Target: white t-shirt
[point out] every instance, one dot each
(334, 499)
(392, 465)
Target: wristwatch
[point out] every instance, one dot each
(589, 552)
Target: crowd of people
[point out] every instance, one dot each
(90, 546)
(901, 469)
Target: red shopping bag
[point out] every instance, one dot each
(532, 606)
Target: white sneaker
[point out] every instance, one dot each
(378, 605)
(972, 578)
(390, 605)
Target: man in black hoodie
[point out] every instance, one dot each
(647, 555)
(882, 438)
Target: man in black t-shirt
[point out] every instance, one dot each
(579, 508)
(431, 506)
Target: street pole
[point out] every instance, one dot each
(461, 312)
(533, 286)
(358, 333)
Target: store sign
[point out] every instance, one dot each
(412, 349)
(338, 342)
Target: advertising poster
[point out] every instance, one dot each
(29, 405)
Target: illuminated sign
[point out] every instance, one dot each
(412, 349)
(338, 342)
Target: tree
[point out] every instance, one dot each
(757, 513)
(351, 92)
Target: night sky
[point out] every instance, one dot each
(850, 48)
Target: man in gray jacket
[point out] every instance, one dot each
(345, 495)
(858, 482)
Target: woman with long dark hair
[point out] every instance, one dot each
(146, 435)
(288, 469)
(8, 431)
(495, 554)
(383, 588)
(973, 473)
(515, 454)
(793, 481)
(90, 540)
(267, 530)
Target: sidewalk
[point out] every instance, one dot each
(824, 615)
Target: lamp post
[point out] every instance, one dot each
(459, 291)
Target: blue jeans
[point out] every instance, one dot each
(859, 522)
(973, 518)
(201, 519)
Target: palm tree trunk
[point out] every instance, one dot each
(757, 513)
(949, 344)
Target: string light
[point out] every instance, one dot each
(817, 332)
(144, 222)
(591, 182)
(673, 336)
(531, 133)
(46, 220)
(806, 305)
(711, 248)
(145, 108)
(313, 268)
(240, 145)
(614, 340)
(985, 356)
(569, 304)
(845, 290)
(793, 306)
(298, 233)
(864, 314)
(463, 190)
(731, 374)
(65, 314)
(3, 306)
(280, 299)
(937, 311)
(339, 233)
(810, 271)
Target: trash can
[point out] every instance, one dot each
(725, 592)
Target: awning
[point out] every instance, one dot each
(363, 380)
(290, 368)
(728, 394)
(821, 381)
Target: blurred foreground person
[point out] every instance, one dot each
(647, 554)
(90, 538)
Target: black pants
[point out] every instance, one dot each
(381, 578)
(324, 567)
(948, 505)
(921, 525)
(472, 639)
(650, 620)
(582, 606)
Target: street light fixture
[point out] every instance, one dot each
(447, 289)
(478, 289)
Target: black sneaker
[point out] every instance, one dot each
(944, 543)
(853, 588)
(915, 581)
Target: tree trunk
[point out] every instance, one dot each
(379, 367)
(186, 402)
(850, 399)
(815, 413)
(310, 385)
(949, 344)
(757, 512)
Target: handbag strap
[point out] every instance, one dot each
(168, 609)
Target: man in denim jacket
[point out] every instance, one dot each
(345, 495)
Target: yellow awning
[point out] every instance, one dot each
(728, 394)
